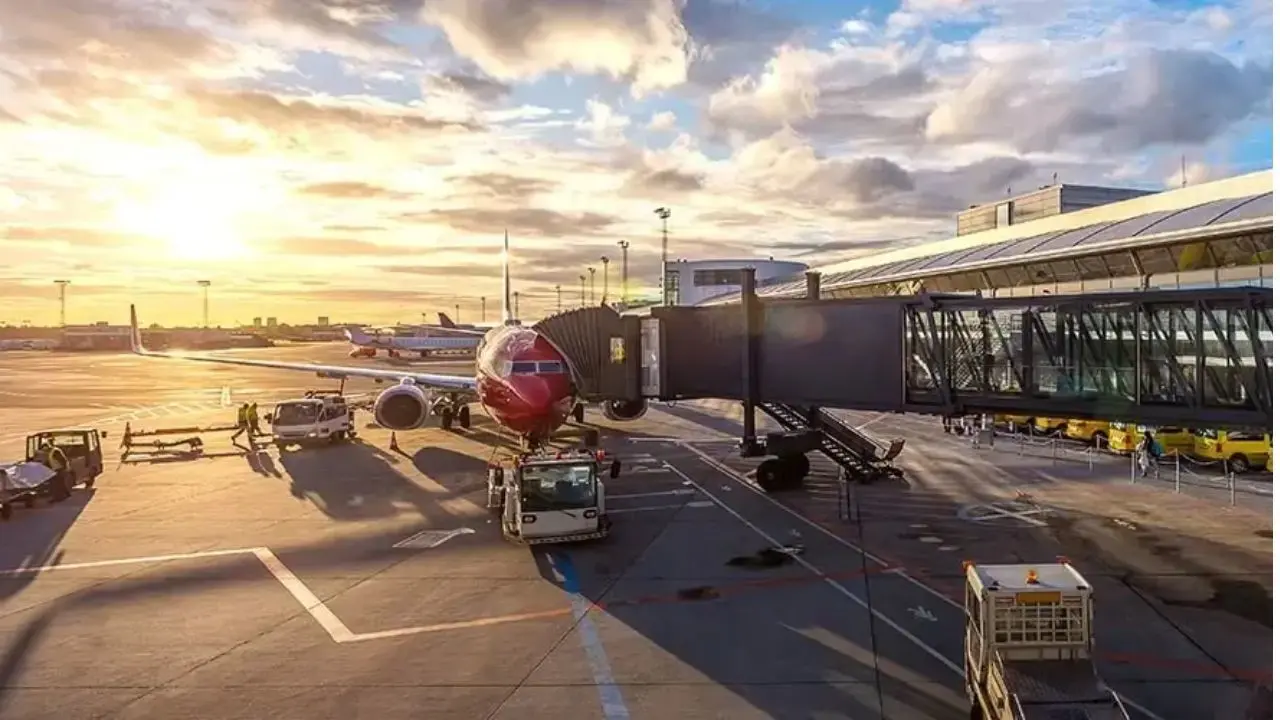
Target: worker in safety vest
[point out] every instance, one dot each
(56, 460)
(252, 416)
(242, 421)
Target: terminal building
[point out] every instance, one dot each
(689, 282)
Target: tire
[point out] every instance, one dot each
(446, 419)
(579, 413)
(1238, 464)
(771, 475)
(464, 417)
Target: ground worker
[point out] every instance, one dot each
(242, 421)
(254, 430)
(56, 460)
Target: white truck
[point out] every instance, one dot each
(551, 496)
(1029, 645)
(320, 417)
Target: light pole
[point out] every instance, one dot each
(558, 306)
(624, 245)
(62, 301)
(204, 288)
(582, 280)
(457, 312)
(591, 273)
(604, 291)
(663, 213)
(483, 313)
(515, 305)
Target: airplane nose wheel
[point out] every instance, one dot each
(464, 417)
(579, 413)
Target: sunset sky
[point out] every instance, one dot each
(361, 158)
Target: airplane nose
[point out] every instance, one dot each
(534, 393)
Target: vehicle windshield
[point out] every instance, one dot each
(297, 414)
(561, 486)
(1119, 425)
(1211, 434)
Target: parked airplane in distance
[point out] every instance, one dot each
(522, 382)
(439, 342)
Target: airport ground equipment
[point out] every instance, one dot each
(26, 481)
(1029, 645)
(192, 444)
(318, 417)
(805, 430)
(552, 496)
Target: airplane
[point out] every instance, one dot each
(431, 343)
(447, 323)
(522, 381)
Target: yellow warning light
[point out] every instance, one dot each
(1032, 578)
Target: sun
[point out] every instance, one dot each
(199, 218)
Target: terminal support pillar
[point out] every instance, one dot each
(813, 291)
(750, 359)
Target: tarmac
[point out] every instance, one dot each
(252, 584)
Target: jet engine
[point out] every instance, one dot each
(623, 410)
(402, 407)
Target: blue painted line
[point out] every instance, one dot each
(615, 708)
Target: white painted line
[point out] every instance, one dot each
(995, 512)
(872, 421)
(36, 569)
(682, 441)
(694, 504)
(926, 647)
(307, 599)
(428, 539)
(683, 491)
(647, 471)
(882, 563)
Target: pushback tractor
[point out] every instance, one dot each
(1029, 645)
(552, 496)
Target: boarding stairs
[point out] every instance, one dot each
(859, 457)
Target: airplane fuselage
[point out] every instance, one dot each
(523, 382)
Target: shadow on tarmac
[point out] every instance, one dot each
(32, 536)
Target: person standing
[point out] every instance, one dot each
(56, 459)
(254, 429)
(242, 421)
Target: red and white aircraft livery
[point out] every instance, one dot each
(522, 381)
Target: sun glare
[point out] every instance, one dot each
(197, 218)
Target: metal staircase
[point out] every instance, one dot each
(858, 455)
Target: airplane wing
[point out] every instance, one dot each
(428, 380)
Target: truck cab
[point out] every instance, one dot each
(1028, 646)
(82, 448)
(550, 498)
(316, 418)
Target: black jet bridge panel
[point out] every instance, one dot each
(700, 352)
(833, 353)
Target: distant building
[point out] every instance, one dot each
(1048, 200)
(257, 322)
(691, 281)
(323, 321)
(271, 322)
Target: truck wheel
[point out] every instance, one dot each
(464, 417)
(6, 511)
(770, 475)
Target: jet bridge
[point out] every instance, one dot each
(1194, 358)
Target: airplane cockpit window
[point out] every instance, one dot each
(524, 368)
(551, 368)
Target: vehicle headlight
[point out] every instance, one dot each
(311, 434)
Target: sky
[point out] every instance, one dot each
(361, 159)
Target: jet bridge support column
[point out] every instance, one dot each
(750, 362)
(813, 291)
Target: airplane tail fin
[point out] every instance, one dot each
(508, 318)
(446, 321)
(135, 335)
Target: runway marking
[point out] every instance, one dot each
(994, 511)
(725, 470)
(685, 491)
(694, 504)
(647, 471)
(611, 701)
(429, 539)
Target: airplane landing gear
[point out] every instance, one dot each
(450, 412)
(785, 472)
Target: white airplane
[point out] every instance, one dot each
(439, 341)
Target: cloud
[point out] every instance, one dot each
(502, 186)
(663, 121)
(657, 183)
(642, 42)
(349, 190)
(335, 247)
(519, 221)
(474, 86)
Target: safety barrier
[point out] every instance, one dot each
(1190, 472)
